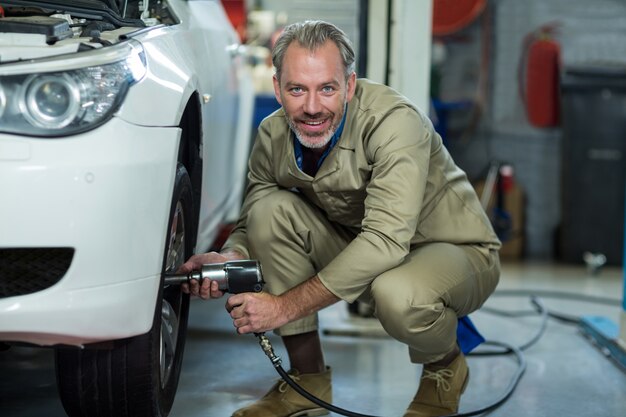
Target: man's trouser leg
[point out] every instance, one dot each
(293, 240)
(420, 301)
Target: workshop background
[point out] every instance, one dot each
(530, 98)
(475, 86)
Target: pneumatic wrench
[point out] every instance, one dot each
(233, 276)
(245, 276)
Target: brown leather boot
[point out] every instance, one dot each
(284, 401)
(440, 389)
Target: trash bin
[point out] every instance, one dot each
(593, 161)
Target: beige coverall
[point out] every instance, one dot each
(388, 218)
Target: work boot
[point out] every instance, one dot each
(284, 401)
(440, 389)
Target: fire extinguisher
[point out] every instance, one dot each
(539, 77)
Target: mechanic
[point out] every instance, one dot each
(352, 196)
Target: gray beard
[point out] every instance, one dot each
(317, 145)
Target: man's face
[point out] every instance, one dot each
(313, 92)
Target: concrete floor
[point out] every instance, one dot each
(565, 376)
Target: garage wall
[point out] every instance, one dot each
(589, 31)
(342, 13)
(481, 67)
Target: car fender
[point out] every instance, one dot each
(159, 99)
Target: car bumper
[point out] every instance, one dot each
(106, 194)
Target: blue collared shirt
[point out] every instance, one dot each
(297, 147)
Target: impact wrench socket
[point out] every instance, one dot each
(233, 276)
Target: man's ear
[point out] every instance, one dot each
(277, 89)
(351, 86)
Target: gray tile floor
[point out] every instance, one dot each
(565, 376)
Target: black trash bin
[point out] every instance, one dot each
(593, 103)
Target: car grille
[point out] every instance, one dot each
(28, 270)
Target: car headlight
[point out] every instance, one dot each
(68, 95)
(51, 101)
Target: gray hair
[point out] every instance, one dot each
(312, 34)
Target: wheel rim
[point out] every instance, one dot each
(172, 296)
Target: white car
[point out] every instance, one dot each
(124, 135)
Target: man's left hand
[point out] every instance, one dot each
(255, 312)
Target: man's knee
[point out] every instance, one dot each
(268, 212)
(428, 329)
(278, 201)
(405, 314)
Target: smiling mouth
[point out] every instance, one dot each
(313, 123)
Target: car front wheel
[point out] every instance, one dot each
(138, 377)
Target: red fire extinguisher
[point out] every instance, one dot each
(539, 77)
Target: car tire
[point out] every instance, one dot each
(138, 377)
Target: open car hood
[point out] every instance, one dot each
(39, 29)
(104, 10)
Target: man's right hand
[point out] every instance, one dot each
(208, 289)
